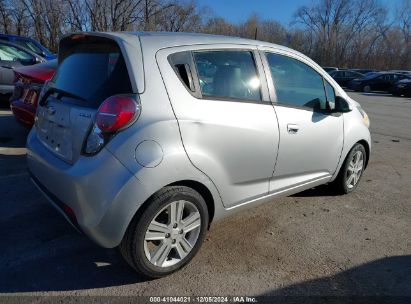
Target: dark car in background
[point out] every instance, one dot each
(369, 74)
(401, 88)
(13, 56)
(406, 72)
(376, 82)
(343, 77)
(330, 69)
(29, 82)
(30, 44)
(364, 71)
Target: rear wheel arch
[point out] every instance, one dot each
(203, 191)
(134, 247)
(195, 185)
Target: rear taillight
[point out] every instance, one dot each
(115, 114)
(31, 97)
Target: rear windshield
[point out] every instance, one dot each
(93, 71)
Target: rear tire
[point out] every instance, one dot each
(366, 89)
(167, 234)
(351, 171)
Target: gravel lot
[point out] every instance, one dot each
(313, 243)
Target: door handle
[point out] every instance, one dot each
(292, 128)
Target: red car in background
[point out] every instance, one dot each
(28, 83)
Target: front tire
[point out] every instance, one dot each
(352, 170)
(167, 234)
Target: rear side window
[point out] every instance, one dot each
(296, 83)
(93, 71)
(228, 75)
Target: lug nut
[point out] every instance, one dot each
(175, 225)
(181, 231)
(173, 241)
(167, 235)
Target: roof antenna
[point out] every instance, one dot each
(255, 33)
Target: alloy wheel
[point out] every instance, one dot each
(355, 169)
(172, 233)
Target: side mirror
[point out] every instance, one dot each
(341, 105)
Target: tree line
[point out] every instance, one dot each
(342, 33)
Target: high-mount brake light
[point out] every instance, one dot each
(78, 37)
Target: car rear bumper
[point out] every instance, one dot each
(101, 194)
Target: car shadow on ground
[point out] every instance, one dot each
(323, 190)
(39, 250)
(384, 94)
(386, 277)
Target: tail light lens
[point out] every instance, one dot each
(31, 97)
(115, 114)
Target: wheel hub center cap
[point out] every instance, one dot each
(174, 233)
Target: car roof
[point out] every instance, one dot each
(175, 39)
(388, 73)
(15, 36)
(170, 39)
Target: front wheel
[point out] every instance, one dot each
(168, 233)
(352, 170)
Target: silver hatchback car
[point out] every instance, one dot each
(141, 140)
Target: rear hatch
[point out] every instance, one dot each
(90, 70)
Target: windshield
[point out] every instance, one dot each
(11, 53)
(30, 46)
(370, 75)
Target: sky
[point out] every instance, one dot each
(279, 10)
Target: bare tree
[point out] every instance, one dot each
(346, 33)
(5, 17)
(404, 24)
(179, 17)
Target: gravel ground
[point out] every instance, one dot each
(313, 243)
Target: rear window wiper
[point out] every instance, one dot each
(60, 92)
